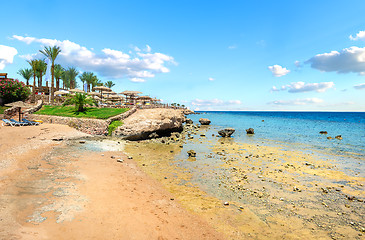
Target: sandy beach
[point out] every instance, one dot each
(49, 190)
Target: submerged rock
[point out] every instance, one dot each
(153, 135)
(323, 132)
(339, 137)
(189, 121)
(250, 131)
(204, 121)
(191, 153)
(226, 132)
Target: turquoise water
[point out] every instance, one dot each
(297, 129)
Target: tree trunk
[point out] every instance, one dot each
(52, 84)
(57, 84)
(33, 95)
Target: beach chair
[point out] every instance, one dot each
(9, 123)
(6, 122)
(30, 122)
(19, 123)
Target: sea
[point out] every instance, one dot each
(299, 130)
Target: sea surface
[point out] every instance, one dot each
(299, 130)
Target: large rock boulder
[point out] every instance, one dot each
(144, 122)
(226, 132)
(204, 121)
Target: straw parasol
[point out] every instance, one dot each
(19, 105)
(75, 90)
(94, 94)
(60, 93)
(130, 94)
(101, 89)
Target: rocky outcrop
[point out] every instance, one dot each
(143, 123)
(226, 132)
(122, 116)
(204, 121)
(250, 131)
(188, 111)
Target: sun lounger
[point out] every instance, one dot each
(19, 123)
(10, 123)
(30, 122)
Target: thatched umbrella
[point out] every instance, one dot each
(19, 105)
(94, 94)
(75, 90)
(60, 93)
(101, 89)
(130, 94)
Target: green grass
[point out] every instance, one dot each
(114, 126)
(91, 112)
(2, 109)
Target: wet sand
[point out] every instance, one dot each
(62, 190)
(273, 192)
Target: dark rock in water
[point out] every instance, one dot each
(57, 139)
(82, 141)
(226, 132)
(191, 153)
(339, 137)
(153, 135)
(250, 131)
(323, 132)
(204, 121)
(189, 121)
(262, 120)
(329, 138)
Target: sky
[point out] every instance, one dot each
(208, 55)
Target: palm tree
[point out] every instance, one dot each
(65, 80)
(51, 53)
(96, 82)
(109, 84)
(58, 71)
(33, 63)
(40, 71)
(71, 75)
(26, 73)
(79, 100)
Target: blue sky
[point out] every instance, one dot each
(208, 55)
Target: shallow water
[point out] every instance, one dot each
(292, 190)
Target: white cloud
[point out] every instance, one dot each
(215, 102)
(348, 60)
(296, 87)
(278, 71)
(232, 47)
(138, 80)
(148, 48)
(360, 86)
(211, 79)
(298, 64)
(109, 63)
(6, 55)
(304, 101)
(359, 36)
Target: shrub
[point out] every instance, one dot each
(13, 90)
(114, 125)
